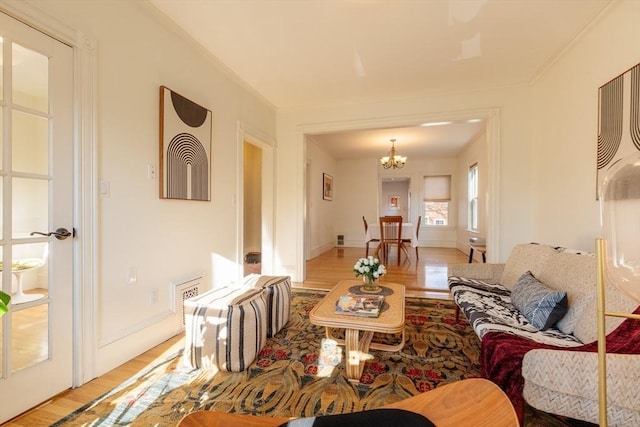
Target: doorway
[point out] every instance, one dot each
(37, 216)
(252, 202)
(256, 206)
(395, 198)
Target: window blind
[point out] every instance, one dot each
(437, 188)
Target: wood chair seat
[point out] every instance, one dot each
(473, 402)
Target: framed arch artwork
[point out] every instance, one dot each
(618, 121)
(185, 148)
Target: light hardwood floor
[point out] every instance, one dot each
(425, 277)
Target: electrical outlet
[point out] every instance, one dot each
(153, 296)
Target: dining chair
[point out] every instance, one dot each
(410, 241)
(391, 234)
(366, 228)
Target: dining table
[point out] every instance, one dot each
(408, 233)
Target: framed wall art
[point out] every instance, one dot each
(327, 186)
(393, 201)
(185, 148)
(618, 121)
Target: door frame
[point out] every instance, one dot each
(266, 144)
(83, 304)
(493, 120)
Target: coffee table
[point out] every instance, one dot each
(359, 330)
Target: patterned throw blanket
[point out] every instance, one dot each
(506, 335)
(488, 308)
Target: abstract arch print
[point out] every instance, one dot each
(618, 120)
(185, 148)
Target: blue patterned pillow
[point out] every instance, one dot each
(540, 305)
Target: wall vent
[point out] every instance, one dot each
(184, 291)
(340, 240)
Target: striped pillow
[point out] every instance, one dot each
(540, 305)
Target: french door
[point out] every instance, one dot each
(36, 234)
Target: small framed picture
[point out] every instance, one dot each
(393, 201)
(327, 186)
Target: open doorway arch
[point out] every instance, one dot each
(491, 116)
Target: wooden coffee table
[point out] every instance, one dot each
(359, 330)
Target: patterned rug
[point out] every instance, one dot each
(298, 373)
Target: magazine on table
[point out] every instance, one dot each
(359, 305)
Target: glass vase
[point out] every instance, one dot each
(370, 285)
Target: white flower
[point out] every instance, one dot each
(369, 267)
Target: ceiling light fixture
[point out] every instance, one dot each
(435, 124)
(393, 160)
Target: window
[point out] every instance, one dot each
(472, 221)
(437, 196)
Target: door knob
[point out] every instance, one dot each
(60, 234)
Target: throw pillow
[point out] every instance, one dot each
(540, 305)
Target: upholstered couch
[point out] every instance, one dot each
(536, 318)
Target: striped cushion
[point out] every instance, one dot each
(540, 305)
(225, 328)
(278, 299)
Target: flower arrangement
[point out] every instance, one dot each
(370, 268)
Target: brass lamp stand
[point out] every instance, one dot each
(602, 334)
(618, 253)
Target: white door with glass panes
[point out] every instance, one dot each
(36, 234)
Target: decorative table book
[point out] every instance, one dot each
(360, 305)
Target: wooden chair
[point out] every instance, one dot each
(391, 234)
(366, 228)
(409, 241)
(474, 402)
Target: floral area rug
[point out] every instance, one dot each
(298, 373)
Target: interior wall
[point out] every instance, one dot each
(165, 241)
(322, 230)
(474, 152)
(565, 123)
(358, 197)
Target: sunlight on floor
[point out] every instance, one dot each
(436, 276)
(330, 357)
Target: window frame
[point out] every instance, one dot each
(472, 197)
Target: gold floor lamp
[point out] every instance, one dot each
(617, 252)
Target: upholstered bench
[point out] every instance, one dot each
(278, 298)
(225, 328)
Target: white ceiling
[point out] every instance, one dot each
(307, 53)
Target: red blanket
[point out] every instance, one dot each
(502, 353)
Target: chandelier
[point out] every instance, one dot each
(393, 160)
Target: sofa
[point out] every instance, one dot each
(535, 315)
